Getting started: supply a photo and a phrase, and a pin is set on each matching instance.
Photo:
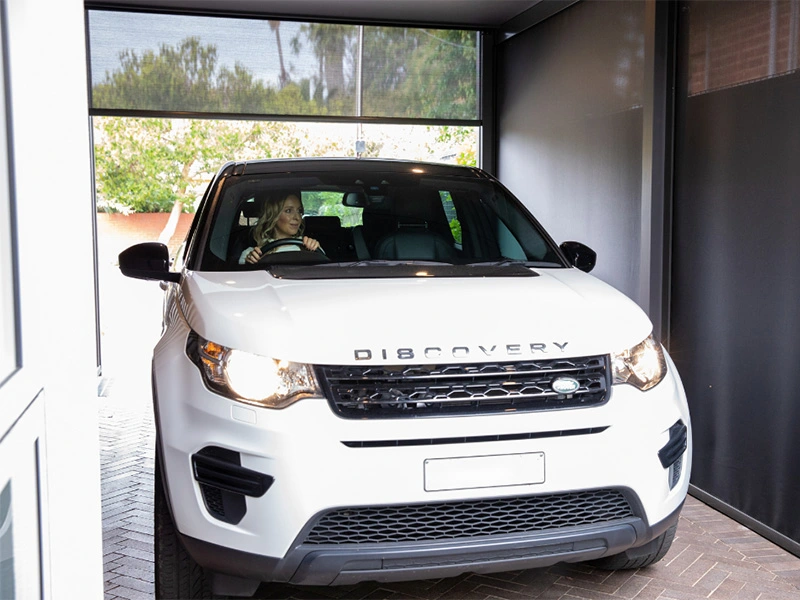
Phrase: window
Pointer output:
(329, 204)
(452, 216)
(201, 64)
(733, 43)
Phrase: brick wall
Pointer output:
(731, 43)
(115, 232)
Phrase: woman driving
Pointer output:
(282, 219)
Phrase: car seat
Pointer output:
(420, 230)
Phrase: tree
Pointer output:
(406, 72)
(164, 165)
(283, 77)
(186, 78)
(442, 76)
(420, 73)
(334, 47)
(464, 140)
(182, 76)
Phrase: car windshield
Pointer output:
(373, 222)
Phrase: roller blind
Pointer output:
(200, 64)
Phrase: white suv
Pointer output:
(439, 389)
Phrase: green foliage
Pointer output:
(334, 47)
(455, 229)
(329, 204)
(406, 72)
(464, 138)
(186, 79)
(420, 73)
(147, 165)
(131, 169)
(452, 215)
(154, 164)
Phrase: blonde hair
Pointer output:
(265, 226)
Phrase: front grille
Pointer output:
(466, 519)
(386, 392)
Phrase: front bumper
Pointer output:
(305, 565)
(302, 448)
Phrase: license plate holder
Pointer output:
(475, 472)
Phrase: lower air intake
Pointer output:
(454, 520)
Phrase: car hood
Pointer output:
(562, 312)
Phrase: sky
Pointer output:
(250, 42)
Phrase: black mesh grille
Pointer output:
(213, 500)
(426, 390)
(452, 520)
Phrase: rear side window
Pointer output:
(330, 204)
(452, 215)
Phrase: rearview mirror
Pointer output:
(355, 199)
(149, 260)
(579, 255)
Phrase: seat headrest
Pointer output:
(413, 244)
(326, 224)
(421, 206)
(253, 208)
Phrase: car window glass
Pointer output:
(381, 216)
(329, 204)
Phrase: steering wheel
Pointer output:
(286, 242)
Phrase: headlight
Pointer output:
(251, 378)
(643, 366)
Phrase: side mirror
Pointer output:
(579, 255)
(149, 260)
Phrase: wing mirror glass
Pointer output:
(149, 260)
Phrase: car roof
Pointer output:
(369, 165)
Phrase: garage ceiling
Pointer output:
(482, 14)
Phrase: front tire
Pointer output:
(636, 558)
(178, 576)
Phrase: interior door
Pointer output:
(21, 552)
(22, 472)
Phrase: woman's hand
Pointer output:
(310, 243)
(254, 255)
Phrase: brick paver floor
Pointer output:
(711, 557)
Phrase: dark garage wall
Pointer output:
(570, 130)
(736, 260)
(736, 294)
(570, 145)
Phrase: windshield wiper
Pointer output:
(505, 262)
(380, 262)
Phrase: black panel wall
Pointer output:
(736, 294)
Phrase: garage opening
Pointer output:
(175, 96)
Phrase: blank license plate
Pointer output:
(483, 471)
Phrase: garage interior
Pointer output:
(665, 135)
